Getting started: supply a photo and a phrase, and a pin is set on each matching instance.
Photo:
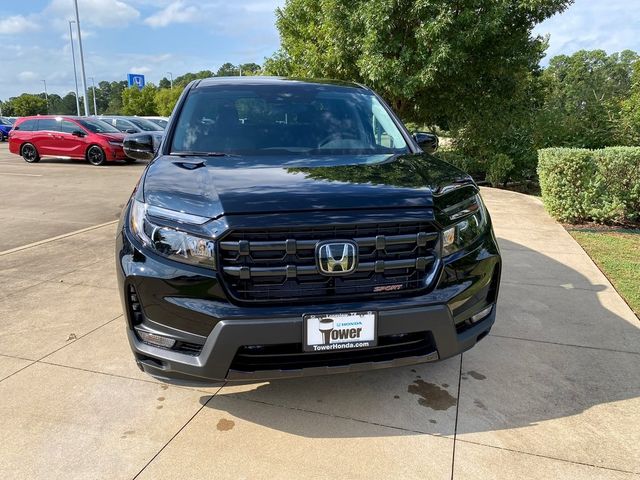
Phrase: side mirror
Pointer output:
(428, 142)
(78, 133)
(141, 146)
(130, 130)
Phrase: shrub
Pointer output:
(499, 169)
(463, 162)
(581, 185)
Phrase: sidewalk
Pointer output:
(552, 392)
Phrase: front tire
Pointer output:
(29, 153)
(2, 137)
(96, 155)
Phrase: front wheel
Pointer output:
(2, 136)
(29, 153)
(96, 155)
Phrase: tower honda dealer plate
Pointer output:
(339, 331)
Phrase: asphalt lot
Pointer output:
(55, 196)
(552, 392)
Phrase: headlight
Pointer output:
(114, 143)
(466, 231)
(169, 241)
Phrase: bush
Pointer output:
(499, 169)
(581, 185)
(463, 162)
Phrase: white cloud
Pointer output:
(26, 76)
(14, 24)
(140, 70)
(264, 6)
(611, 26)
(97, 13)
(176, 12)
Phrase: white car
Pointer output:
(162, 121)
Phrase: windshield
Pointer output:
(4, 121)
(144, 124)
(97, 126)
(285, 119)
(159, 121)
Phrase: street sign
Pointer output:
(135, 80)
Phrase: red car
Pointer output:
(78, 138)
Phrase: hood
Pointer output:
(117, 137)
(213, 186)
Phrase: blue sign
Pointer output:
(135, 80)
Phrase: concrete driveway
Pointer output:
(552, 392)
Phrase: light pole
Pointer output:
(46, 95)
(84, 76)
(75, 73)
(95, 108)
(171, 79)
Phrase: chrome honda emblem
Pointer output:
(337, 258)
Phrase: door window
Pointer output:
(68, 127)
(28, 126)
(48, 124)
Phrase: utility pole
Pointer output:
(171, 79)
(95, 108)
(84, 76)
(75, 73)
(46, 95)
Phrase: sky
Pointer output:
(153, 37)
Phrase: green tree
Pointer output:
(630, 114)
(183, 80)
(68, 104)
(112, 97)
(139, 101)
(278, 64)
(227, 70)
(249, 69)
(165, 100)
(584, 97)
(55, 102)
(29, 104)
(7, 108)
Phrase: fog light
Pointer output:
(481, 314)
(156, 340)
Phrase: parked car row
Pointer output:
(133, 124)
(95, 139)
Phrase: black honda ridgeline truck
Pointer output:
(287, 228)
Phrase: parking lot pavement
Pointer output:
(55, 196)
(552, 392)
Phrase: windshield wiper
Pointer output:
(190, 153)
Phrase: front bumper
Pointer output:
(220, 348)
(179, 302)
(116, 153)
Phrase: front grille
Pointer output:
(279, 265)
(291, 357)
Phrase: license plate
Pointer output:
(339, 331)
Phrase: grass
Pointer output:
(617, 254)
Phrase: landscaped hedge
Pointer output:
(580, 185)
